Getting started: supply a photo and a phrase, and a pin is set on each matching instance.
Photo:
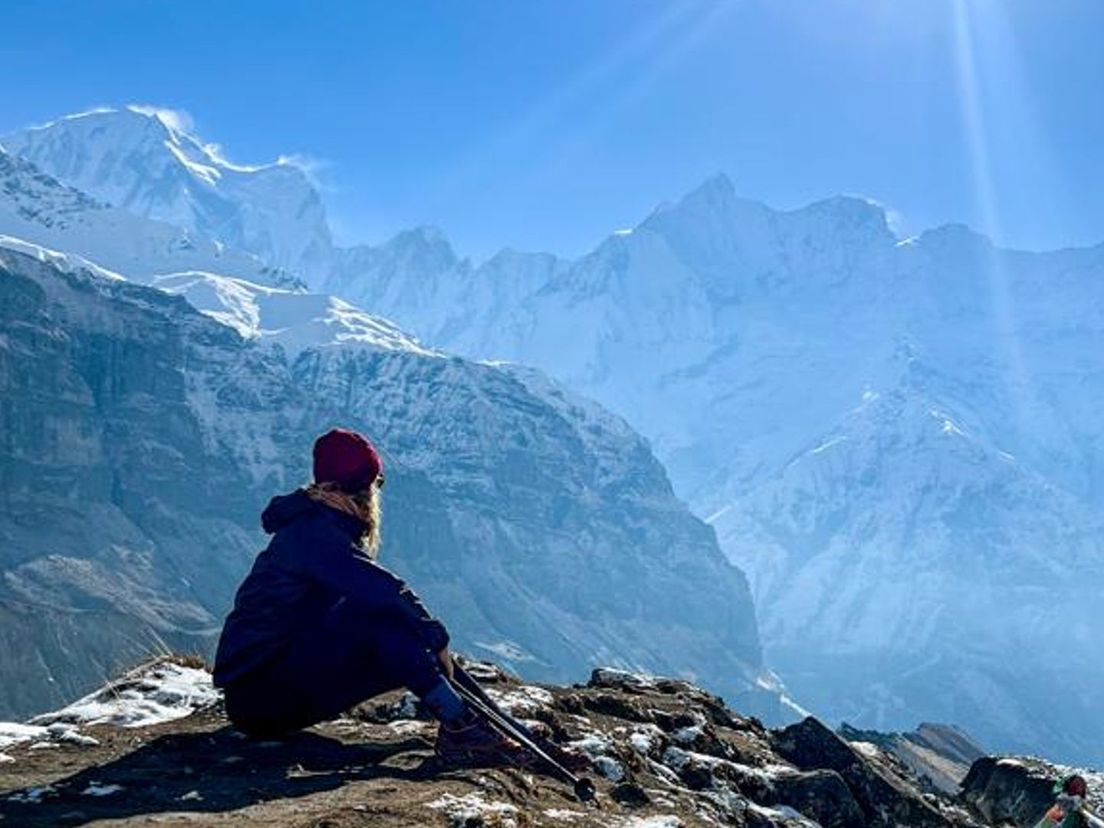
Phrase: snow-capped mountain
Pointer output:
(142, 437)
(39, 209)
(900, 561)
(417, 273)
(738, 338)
(142, 160)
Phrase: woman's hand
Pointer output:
(444, 658)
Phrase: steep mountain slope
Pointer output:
(142, 160)
(39, 209)
(141, 438)
(899, 562)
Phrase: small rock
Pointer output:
(630, 794)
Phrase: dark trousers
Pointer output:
(347, 656)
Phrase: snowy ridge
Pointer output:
(143, 160)
(65, 262)
(41, 210)
(292, 319)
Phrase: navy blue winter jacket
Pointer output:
(311, 563)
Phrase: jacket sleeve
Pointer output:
(342, 567)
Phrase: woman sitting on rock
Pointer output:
(318, 626)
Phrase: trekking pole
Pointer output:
(471, 685)
(507, 726)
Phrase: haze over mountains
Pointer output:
(899, 440)
(141, 437)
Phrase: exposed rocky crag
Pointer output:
(938, 756)
(140, 438)
(1017, 790)
(664, 754)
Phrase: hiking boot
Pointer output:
(475, 743)
(572, 759)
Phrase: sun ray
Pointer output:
(972, 105)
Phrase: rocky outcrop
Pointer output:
(664, 754)
(1017, 790)
(939, 756)
(884, 799)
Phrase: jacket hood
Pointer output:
(285, 509)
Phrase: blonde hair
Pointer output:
(370, 510)
(364, 505)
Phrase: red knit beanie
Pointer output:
(346, 458)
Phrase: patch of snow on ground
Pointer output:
(506, 650)
(66, 732)
(610, 768)
(526, 699)
(660, 821)
(149, 695)
(12, 733)
(96, 789)
(32, 795)
(593, 745)
(561, 814)
(643, 738)
(868, 749)
(688, 735)
(610, 675)
(783, 812)
(468, 808)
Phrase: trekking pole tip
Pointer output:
(585, 790)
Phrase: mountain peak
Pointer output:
(956, 235)
(147, 160)
(847, 213)
(717, 186)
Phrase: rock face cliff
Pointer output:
(664, 754)
(140, 439)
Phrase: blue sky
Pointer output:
(545, 125)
